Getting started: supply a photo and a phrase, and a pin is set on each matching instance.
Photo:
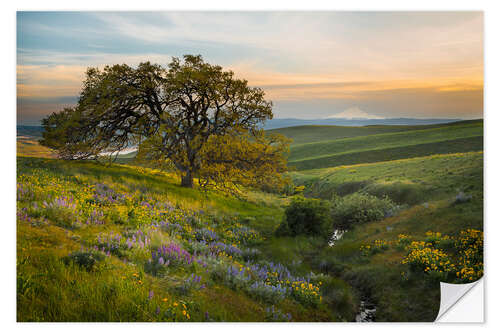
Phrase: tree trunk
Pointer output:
(187, 180)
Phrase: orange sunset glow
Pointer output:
(311, 65)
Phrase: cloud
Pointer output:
(65, 78)
(48, 58)
(37, 81)
(388, 63)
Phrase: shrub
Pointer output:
(435, 238)
(424, 257)
(171, 254)
(306, 216)
(377, 246)
(62, 211)
(206, 235)
(403, 241)
(306, 293)
(87, 260)
(347, 188)
(217, 268)
(399, 192)
(429, 256)
(236, 277)
(267, 293)
(470, 263)
(359, 208)
(244, 235)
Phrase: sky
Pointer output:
(310, 64)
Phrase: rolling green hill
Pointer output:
(316, 133)
(406, 181)
(396, 142)
(89, 239)
(76, 219)
(428, 191)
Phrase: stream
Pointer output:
(337, 234)
(367, 310)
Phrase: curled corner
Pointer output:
(452, 294)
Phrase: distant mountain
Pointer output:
(354, 113)
(290, 122)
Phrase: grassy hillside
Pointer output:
(29, 146)
(435, 176)
(371, 257)
(317, 133)
(407, 181)
(97, 232)
(459, 137)
(471, 144)
(122, 243)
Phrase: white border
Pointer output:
(492, 165)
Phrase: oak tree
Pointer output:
(191, 115)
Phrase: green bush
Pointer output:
(359, 208)
(306, 217)
(399, 192)
(87, 260)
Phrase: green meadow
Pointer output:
(99, 242)
(317, 133)
(426, 172)
(383, 146)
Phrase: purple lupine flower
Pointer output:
(151, 294)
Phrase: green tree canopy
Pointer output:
(192, 115)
